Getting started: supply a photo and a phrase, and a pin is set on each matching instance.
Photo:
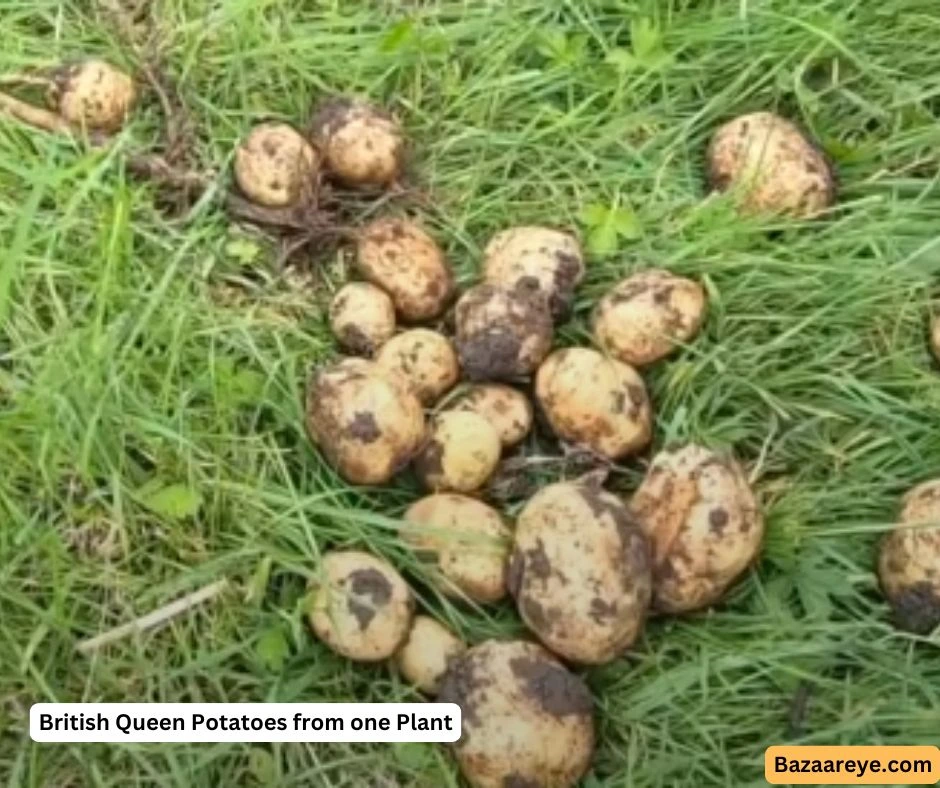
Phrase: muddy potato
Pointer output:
(580, 571)
(368, 423)
(771, 167)
(425, 358)
(504, 407)
(502, 334)
(549, 259)
(362, 318)
(595, 402)
(93, 94)
(362, 143)
(275, 166)
(462, 452)
(642, 318)
(909, 561)
(428, 650)
(527, 720)
(700, 514)
(468, 540)
(406, 262)
(360, 606)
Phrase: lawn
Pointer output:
(151, 363)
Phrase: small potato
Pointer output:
(360, 606)
(94, 95)
(909, 561)
(406, 262)
(580, 572)
(770, 166)
(462, 453)
(935, 337)
(428, 650)
(367, 422)
(594, 401)
(275, 166)
(704, 523)
(549, 259)
(362, 318)
(504, 407)
(641, 319)
(502, 334)
(527, 720)
(469, 540)
(425, 358)
(363, 144)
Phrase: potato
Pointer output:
(406, 262)
(706, 528)
(580, 571)
(935, 337)
(426, 654)
(360, 606)
(362, 318)
(527, 720)
(909, 561)
(275, 166)
(93, 95)
(425, 358)
(595, 402)
(504, 407)
(363, 144)
(367, 422)
(461, 454)
(469, 541)
(770, 166)
(502, 334)
(642, 318)
(549, 259)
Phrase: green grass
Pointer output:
(123, 374)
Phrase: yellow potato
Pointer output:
(362, 318)
(461, 454)
(275, 166)
(428, 650)
(425, 358)
(93, 95)
(504, 407)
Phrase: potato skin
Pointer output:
(93, 94)
(367, 422)
(704, 523)
(426, 653)
(549, 258)
(360, 606)
(469, 540)
(641, 318)
(461, 454)
(581, 572)
(506, 408)
(527, 720)
(595, 401)
(363, 144)
(502, 334)
(909, 561)
(362, 318)
(425, 358)
(401, 258)
(776, 167)
(275, 166)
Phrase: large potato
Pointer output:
(580, 571)
(504, 407)
(502, 334)
(425, 358)
(549, 259)
(93, 95)
(368, 423)
(527, 720)
(362, 318)
(428, 650)
(698, 510)
(595, 402)
(275, 166)
(406, 262)
(909, 561)
(360, 606)
(642, 318)
(469, 541)
(770, 166)
(461, 454)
